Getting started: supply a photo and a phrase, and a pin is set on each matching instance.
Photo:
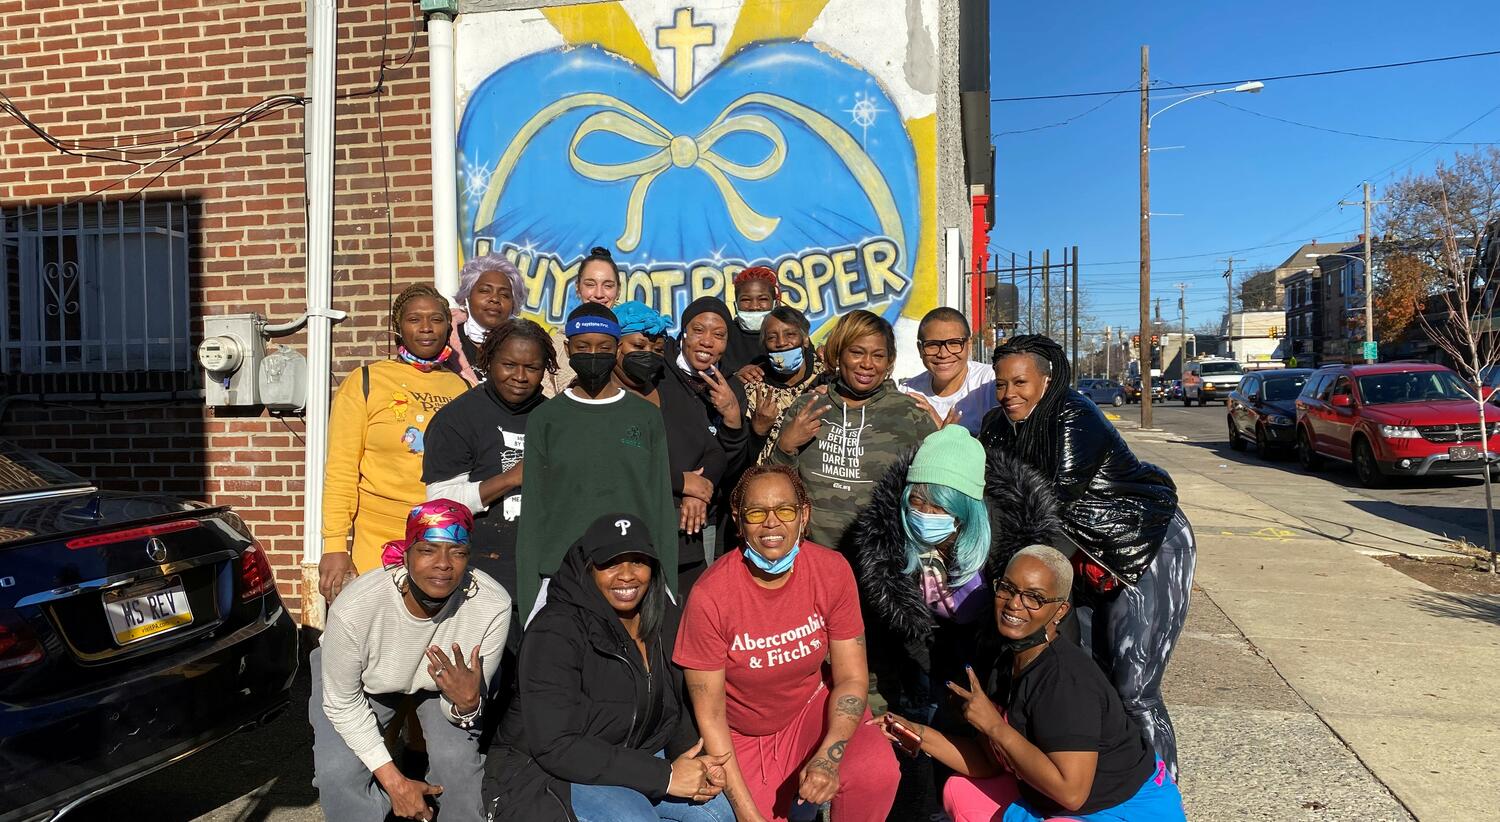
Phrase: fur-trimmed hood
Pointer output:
(1023, 511)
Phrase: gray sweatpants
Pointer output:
(348, 791)
(1131, 635)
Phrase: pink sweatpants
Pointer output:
(982, 800)
(868, 776)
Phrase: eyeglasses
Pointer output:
(755, 516)
(953, 346)
(1031, 600)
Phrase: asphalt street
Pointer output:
(1457, 503)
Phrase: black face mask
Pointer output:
(1016, 646)
(431, 604)
(593, 370)
(643, 367)
(848, 392)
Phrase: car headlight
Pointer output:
(1208, 386)
(1400, 432)
(1277, 420)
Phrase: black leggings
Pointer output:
(1131, 634)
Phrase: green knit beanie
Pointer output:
(950, 456)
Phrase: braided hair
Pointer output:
(1036, 441)
(412, 292)
(520, 329)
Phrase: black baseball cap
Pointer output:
(614, 534)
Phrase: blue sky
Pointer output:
(1241, 182)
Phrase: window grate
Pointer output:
(97, 288)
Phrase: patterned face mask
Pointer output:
(420, 364)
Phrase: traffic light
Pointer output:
(1274, 332)
(1155, 340)
(1135, 340)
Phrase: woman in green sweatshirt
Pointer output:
(841, 440)
(593, 449)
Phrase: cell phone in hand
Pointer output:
(910, 742)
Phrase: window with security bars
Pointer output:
(94, 288)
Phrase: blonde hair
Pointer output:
(852, 326)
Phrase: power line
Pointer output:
(1254, 113)
(1297, 76)
(1078, 116)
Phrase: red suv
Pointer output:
(1392, 419)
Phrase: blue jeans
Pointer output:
(612, 803)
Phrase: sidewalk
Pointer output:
(1387, 677)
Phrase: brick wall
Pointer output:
(100, 68)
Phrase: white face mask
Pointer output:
(751, 320)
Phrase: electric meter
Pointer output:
(220, 355)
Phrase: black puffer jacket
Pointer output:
(586, 710)
(1022, 512)
(1114, 505)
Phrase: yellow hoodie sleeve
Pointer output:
(346, 447)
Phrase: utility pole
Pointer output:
(1075, 316)
(1030, 296)
(1047, 291)
(1063, 339)
(1229, 309)
(1182, 352)
(1369, 274)
(1145, 298)
(1109, 341)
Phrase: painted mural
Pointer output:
(696, 141)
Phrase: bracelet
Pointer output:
(465, 721)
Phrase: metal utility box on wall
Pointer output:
(230, 356)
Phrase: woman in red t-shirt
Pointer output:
(774, 653)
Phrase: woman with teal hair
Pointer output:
(938, 529)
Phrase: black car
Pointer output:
(134, 631)
(1263, 410)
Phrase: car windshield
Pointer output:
(1411, 386)
(1285, 388)
(23, 472)
(1219, 369)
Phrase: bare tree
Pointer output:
(1463, 324)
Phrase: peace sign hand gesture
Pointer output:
(979, 711)
(723, 398)
(804, 427)
(461, 683)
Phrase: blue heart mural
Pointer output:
(784, 155)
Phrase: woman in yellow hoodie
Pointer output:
(375, 438)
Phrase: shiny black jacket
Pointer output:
(1114, 505)
(586, 709)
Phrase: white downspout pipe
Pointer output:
(318, 132)
(444, 161)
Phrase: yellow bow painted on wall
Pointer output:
(679, 151)
(674, 151)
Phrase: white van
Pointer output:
(1211, 378)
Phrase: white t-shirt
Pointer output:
(973, 399)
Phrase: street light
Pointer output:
(1369, 297)
(1251, 87)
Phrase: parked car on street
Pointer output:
(135, 630)
(1392, 419)
(1103, 392)
(1263, 410)
(1174, 391)
(1210, 378)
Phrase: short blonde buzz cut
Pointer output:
(1062, 570)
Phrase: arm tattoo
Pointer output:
(861, 640)
(850, 706)
(836, 750)
(825, 766)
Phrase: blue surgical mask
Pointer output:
(787, 362)
(931, 529)
(778, 567)
(751, 320)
